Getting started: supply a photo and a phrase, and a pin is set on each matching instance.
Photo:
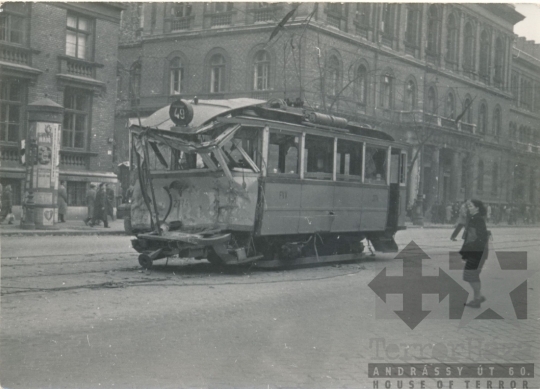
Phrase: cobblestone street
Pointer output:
(98, 320)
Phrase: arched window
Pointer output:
(135, 83)
(387, 91)
(467, 104)
(499, 62)
(495, 179)
(484, 56)
(333, 75)
(217, 73)
(410, 96)
(451, 39)
(450, 106)
(468, 47)
(432, 101)
(480, 185)
(497, 121)
(360, 84)
(433, 30)
(482, 118)
(261, 71)
(176, 76)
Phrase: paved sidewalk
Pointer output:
(489, 225)
(70, 227)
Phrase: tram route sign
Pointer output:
(181, 112)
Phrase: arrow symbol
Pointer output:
(412, 285)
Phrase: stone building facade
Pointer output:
(66, 52)
(438, 76)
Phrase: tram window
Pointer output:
(376, 162)
(319, 157)
(188, 161)
(245, 139)
(394, 166)
(283, 153)
(349, 160)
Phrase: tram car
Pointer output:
(247, 181)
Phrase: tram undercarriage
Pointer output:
(226, 248)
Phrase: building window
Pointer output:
(480, 186)
(433, 30)
(387, 23)
(484, 56)
(410, 96)
(468, 48)
(135, 83)
(525, 100)
(76, 193)
(495, 179)
(217, 73)
(537, 97)
(261, 71)
(467, 117)
(450, 106)
(78, 36)
(363, 11)
(411, 31)
(12, 23)
(76, 117)
(334, 14)
(11, 97)
(532, 188)
(432, 106)
(499, 62)
(452, 39)
(497, 121)
(181, 10)
(482, 118)
(387, 91)
(176, 76)
(333, 76)
(360, 85)
(464, 172)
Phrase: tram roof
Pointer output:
(203, 111)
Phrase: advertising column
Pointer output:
(41, 186)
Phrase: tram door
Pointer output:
(394, 198)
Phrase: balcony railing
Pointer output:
(15, 54)
(221, 18)
(179, 24)
(467, 127)
(9, 153)
(69, 159)
(266, 14)
(526, 147)
(78, 67)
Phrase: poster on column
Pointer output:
(47, 155)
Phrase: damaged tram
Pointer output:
(246, 181)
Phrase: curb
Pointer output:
(32, 233)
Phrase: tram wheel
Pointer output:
(214, 259)
(145, 261)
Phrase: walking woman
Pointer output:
(475, 250)
(100, 206)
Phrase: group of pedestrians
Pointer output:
(472, 216)
(511, 214)
(99, 204)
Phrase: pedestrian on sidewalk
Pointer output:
(448, 213)
(475, 250)
(110, 200)
(488, 213)
(100, 206)
(90, 202)
(461, 221)
(7, 202)
(62, 203)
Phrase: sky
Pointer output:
(529, 27)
